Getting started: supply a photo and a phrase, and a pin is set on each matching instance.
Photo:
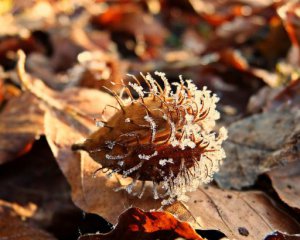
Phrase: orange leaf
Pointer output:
(139, 225)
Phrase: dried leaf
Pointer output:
(286, 182)
(136, 224)
(236, 214)
(282, 236)
(21, 122)
(256, 144)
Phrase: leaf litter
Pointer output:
(221, 52)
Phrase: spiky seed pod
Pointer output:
(162, 136)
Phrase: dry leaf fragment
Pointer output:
(286, 182)
(21, 122)
(257, 143)
(234, 213)
(137, 224)
(282, 236)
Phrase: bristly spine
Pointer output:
(161, 136)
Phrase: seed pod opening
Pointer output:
(162, 136)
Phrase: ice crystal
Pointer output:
(100, 124)
(164, 162)
(147, 157)
(137, 88)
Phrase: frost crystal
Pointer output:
(152, 126)
(116, 157)
(164, 162)
(100, 124)
(133, 169)
(167, 86)
(152, 82)
(137, 88)
(110, 144)
(147, 157)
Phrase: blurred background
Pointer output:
(234, 47)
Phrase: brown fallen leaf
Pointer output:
(21, 122)
(92, 191)
(22, 119)
(257, 143)
(12, 227)
(137, 224)
(236, 214)
(282, 236)
(286, 182)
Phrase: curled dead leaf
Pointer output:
(137, 224)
